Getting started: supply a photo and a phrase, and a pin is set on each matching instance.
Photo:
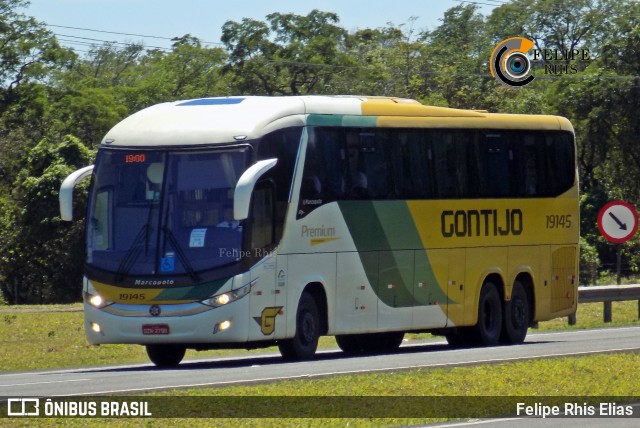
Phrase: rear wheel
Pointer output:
(517, 314)
(489, 326)
(372, 343)
(305, 342)
(460, 337)
(166, 355)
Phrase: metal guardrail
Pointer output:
(607, 294)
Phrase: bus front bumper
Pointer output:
(190, 323)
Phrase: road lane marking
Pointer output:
(353, 372)
(47, 382)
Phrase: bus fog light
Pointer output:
(222, 326)
(95, 327)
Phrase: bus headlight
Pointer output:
(225, 298)
(96, 300)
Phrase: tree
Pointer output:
(87, 113)
(459, 50)
(28, 55)
(28, 51)
(287, 55)
(41, 258)
(190, 70)
(105, 66)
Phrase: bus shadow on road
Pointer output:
(242, 361)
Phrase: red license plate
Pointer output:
(151, 329)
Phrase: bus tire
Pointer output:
(350, 344)
(385, 342)
(460, 337)
(372, 343)
(489, 326)
(305, 342)
(516, 316)
(164, 356)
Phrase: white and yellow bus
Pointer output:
(252, 221)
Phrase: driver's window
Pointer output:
(101, 221)
(262, 214)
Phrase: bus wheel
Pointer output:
(516, 316)
(166, 355)
(383, 342)
(460, 337)
(305, 342)
(350, 343)
(373, 343)
(489, 326)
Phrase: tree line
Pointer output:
(55, 105)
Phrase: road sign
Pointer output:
(618, 221)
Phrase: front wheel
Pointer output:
(305, 342)
(164, 356)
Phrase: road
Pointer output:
(132, 379)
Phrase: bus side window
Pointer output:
(419, 160)
(263, 217)
(530, 166)
(100, 224)
(283, 145)
(497, 156)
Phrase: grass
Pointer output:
(478, 390)
(53, 337)
(40, 338)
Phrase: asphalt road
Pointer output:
(132, 379)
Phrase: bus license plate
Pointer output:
(153, 329)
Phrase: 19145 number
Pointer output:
(559, 221)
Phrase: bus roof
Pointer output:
(228, 119)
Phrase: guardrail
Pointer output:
(607, 294)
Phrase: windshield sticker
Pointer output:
(168, 263)
(197, 238)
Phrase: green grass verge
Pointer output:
(597, 375)
(41, 338)
(53, 337)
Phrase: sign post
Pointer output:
(617, 222)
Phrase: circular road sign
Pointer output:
(618, 221)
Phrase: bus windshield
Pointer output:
(164, 212)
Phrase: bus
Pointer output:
(249, 221)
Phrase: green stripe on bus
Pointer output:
(193, 293)
(341, 120)
(391, 253)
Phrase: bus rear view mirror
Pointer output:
(66, 191)
(244, 188)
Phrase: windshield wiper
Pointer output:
(180, 253)
(136, 247)
(132, 253)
